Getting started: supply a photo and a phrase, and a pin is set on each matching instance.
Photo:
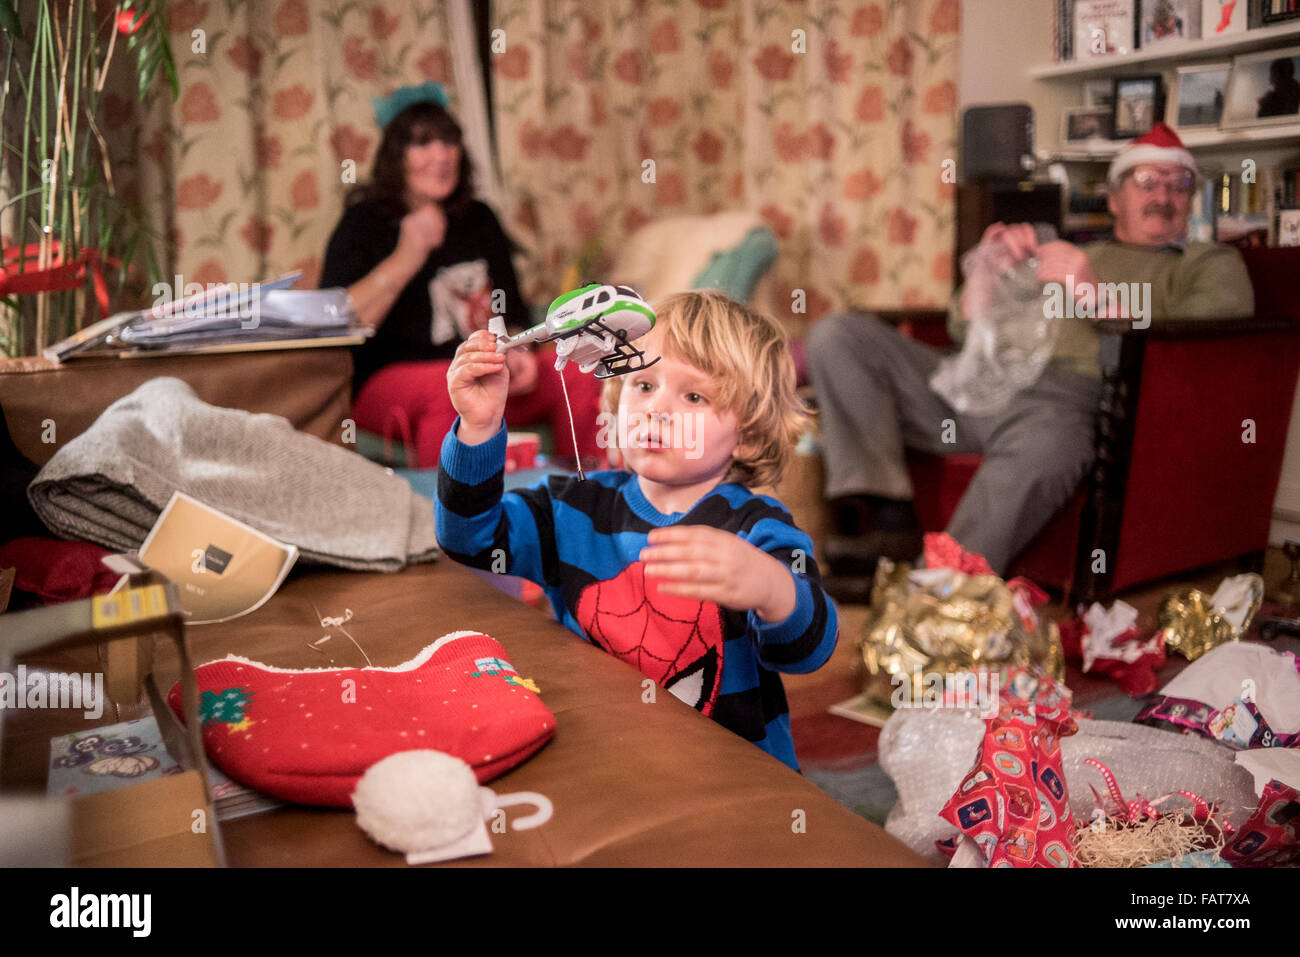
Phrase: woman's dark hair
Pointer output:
(416, 125)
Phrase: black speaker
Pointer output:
(997, 142)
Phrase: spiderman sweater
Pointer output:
(581, 540)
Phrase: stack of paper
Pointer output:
(225, 314)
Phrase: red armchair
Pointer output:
(1178, 482)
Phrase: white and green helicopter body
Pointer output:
(593, 326)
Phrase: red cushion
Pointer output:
(55, 571)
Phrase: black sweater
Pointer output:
(476, 251)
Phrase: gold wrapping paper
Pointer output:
(1192, 624)
(952, 623)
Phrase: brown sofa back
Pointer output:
(47, 404)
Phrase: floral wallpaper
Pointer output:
(833, 120)
(274, 124)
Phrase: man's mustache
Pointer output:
(1159, 209)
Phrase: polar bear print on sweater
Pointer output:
(461, 300)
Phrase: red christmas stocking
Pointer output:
(1225, 16)
(308, 736)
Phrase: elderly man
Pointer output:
(873, 384)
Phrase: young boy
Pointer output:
(673, 565)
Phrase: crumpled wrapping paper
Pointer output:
(927, 753)
(1242, 694)
(1271, 837)
(1193, 622)
(1013, 803)
(940, 620)
(1107, 641)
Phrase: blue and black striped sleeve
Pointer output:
(481, 525)
(805, 640)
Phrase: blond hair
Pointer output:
(747, 356)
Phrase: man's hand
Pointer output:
(697, 561)
(1059, 260)
(1019, 238)
(1007, 245)
(423, 231)
(477, 383)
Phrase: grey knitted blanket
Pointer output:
(110, 484)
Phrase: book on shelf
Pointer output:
(1291, 187)
(1160, 21)
(1063, 31)
(1288, 227)
(1252, 213)
(1276, 11)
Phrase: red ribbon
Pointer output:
(1140, 807)
(60, 276)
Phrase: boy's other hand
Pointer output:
(697, 561)
(477, 384)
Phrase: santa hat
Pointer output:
(1160, 145)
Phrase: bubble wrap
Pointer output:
(927, 752)
(1011, 335)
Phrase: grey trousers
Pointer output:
(873, 389)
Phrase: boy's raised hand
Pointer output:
(477, 383)
(697, 561)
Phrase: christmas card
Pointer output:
(1103, 28)
(222, 567)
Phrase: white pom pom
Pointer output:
(417, 800)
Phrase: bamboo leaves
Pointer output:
(151, 47)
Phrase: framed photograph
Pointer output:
(1079, 124)
(1197, 99)
(1263, 89)
(1137, 106)
(1098, 93)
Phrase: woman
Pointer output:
(426, 264)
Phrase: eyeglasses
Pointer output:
(1148, 181)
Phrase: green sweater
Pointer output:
(1204, 281)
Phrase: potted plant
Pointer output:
(71, 241)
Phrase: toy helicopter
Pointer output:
(593, 326)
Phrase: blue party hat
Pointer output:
(389, 106)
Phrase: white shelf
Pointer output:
(1171, 53)
(1192, 139)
